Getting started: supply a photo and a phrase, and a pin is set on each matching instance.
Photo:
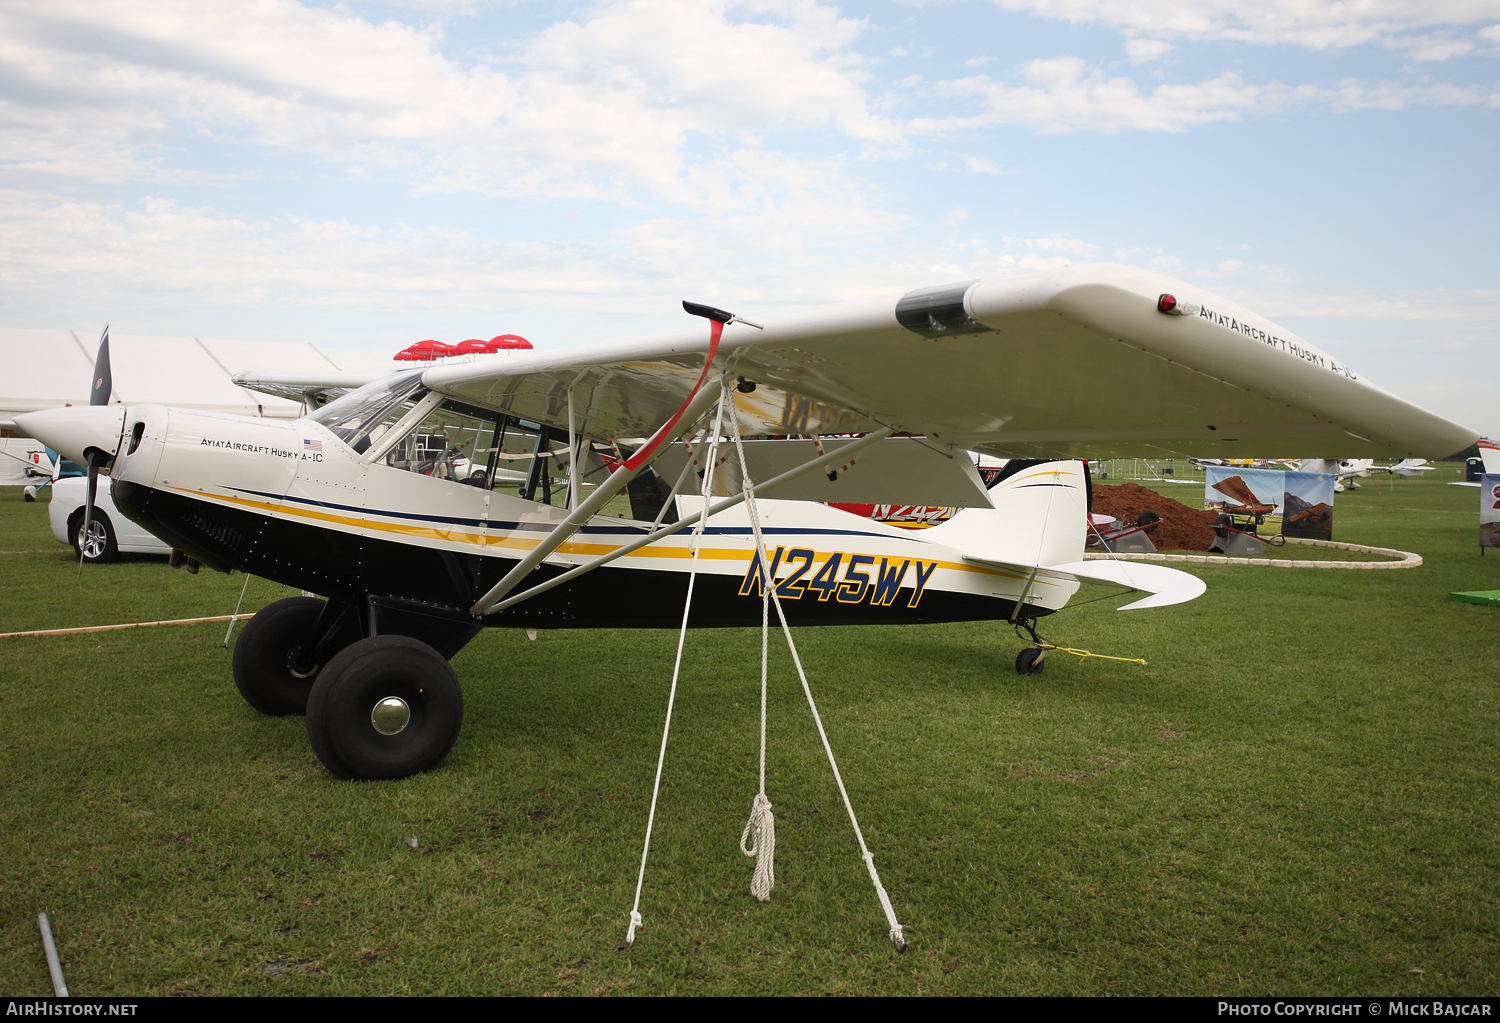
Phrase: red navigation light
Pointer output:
(1166, 304)
(508, 342)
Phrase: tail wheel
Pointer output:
(98, 545)
(266, 656)
(1029, 662)
(385, 707)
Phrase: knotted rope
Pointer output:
(768, 595)
(760, 833)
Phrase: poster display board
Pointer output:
(1489, 510)
(1302, 501)
(1307, 510)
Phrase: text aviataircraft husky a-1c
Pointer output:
(414, 504)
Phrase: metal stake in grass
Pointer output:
(54, 966)
(236, 616)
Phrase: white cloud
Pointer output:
(980, 165)
(1062, 243)
(1143, 51)
(1434, 46)
(1066, 94)
(1316, 24)
(599, 107)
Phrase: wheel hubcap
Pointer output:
(390, 715)
(93, 540)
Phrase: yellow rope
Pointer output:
(1084, 655)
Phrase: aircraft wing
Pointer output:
(1068, 363)
(319, 387)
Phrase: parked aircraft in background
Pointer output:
(1489, 463)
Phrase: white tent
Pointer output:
(52, 368)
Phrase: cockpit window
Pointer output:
(355, 417)
(453, 442)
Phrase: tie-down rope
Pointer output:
(769, 594)
(759, 838)
(635, 910)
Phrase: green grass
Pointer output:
(1296, 796)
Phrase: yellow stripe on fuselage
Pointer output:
(526, 544)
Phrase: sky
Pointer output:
(365, 175)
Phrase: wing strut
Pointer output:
(693, 406)
(691, 409)
(680, 524)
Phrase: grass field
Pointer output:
(1297, 796)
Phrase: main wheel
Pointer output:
(99, 545)
(1028, 662)
(267, 651)
(384, 707)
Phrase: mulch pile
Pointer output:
(1182, 528)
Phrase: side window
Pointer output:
(453, 442)
(477, 447)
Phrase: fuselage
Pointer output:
(291, 502)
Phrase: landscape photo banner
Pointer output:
(1489, 510)
(1307, 509)
(1303, 501)
(1228, 488)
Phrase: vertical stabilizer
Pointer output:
(1489, 451)
(1039, 518)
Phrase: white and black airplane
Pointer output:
(394, 502)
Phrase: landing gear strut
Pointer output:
(281, 651)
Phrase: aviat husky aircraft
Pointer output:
(390, 502)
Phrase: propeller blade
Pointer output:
(96, 458)
(103, 381)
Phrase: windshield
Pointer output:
(352, 417)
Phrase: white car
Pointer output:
(110, 533)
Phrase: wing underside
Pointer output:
(1069, 363)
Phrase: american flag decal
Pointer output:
(311, 445)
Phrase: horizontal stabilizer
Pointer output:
(1166, 585)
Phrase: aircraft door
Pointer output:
(428, 503)
(325, 524)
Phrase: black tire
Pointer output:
(102, 546)
(1148, 520)
(1027, 662)
(263, 655)
(341, 710)
(1222, 525)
